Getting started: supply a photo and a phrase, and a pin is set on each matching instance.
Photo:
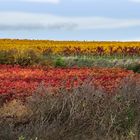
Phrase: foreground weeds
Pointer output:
(78, 113)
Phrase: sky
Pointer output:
(96, 20)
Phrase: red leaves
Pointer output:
(24, 81)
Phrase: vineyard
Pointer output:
(64, 83)
(17, 81)
(25, 64)
(69, 48)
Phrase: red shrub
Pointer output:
(23, 81)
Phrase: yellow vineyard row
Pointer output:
(71, 47)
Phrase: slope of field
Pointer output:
(52, 90)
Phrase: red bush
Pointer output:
(22, 82)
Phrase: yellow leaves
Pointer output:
(71, 47)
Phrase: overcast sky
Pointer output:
(70, 19)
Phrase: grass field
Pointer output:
(58, 90)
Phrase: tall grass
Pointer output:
(82, 113)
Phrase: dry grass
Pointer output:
(14, 108)
(82, 113)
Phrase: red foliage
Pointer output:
(22, 82)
